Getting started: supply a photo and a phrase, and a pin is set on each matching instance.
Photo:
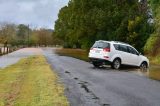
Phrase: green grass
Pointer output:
(148, 48)
(31, 82)
(154, 72)
(154, 60)
(76, 53)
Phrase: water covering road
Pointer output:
(87, 86)
(14, 57)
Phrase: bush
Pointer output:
(148, 49)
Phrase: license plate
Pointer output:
(97, 51)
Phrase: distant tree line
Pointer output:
(22, 35)
(83, 22)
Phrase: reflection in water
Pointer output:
(153, 72)
(141, 72)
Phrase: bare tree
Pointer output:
(7, 34)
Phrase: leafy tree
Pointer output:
(7, 34)
(41, 37)
(23, 33)
(153, 43)
(83, 21)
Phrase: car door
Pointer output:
(134, 56)
(124, 54)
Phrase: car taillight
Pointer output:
(106, 50)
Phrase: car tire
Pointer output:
(116, 64)
(144, 66)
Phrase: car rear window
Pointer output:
(101, 45)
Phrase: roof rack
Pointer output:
(113, 41)
(120, 42)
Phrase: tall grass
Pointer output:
(76, 53)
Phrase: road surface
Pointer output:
(87, 86)
(14, 57)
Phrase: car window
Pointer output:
(95, 45)
(116, 46)
(101, 45)
(132, 51)
(123, 48)
(106, 45)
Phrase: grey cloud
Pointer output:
(40, 13)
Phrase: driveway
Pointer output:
(87, 86)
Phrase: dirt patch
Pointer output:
(15, 90)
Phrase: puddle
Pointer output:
(95, 97)
(67, 72)
(76, 78)
(140, 72)
(106, 105)
(153, 72)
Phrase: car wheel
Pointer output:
(144, 66)
(97, 65)
(116, 64)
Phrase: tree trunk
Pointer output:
(0, 51)
(4, 49)
(7, 49)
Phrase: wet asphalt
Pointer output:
(88, 86)
(14, 57)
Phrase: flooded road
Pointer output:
(14, 57)
(88, 86)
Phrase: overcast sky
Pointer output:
(37, 13)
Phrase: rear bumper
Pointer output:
(102, 61)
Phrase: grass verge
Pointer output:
(154, 72)
(76, 53)
(154, 60)
(31, 82)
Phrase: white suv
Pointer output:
(116, 54)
